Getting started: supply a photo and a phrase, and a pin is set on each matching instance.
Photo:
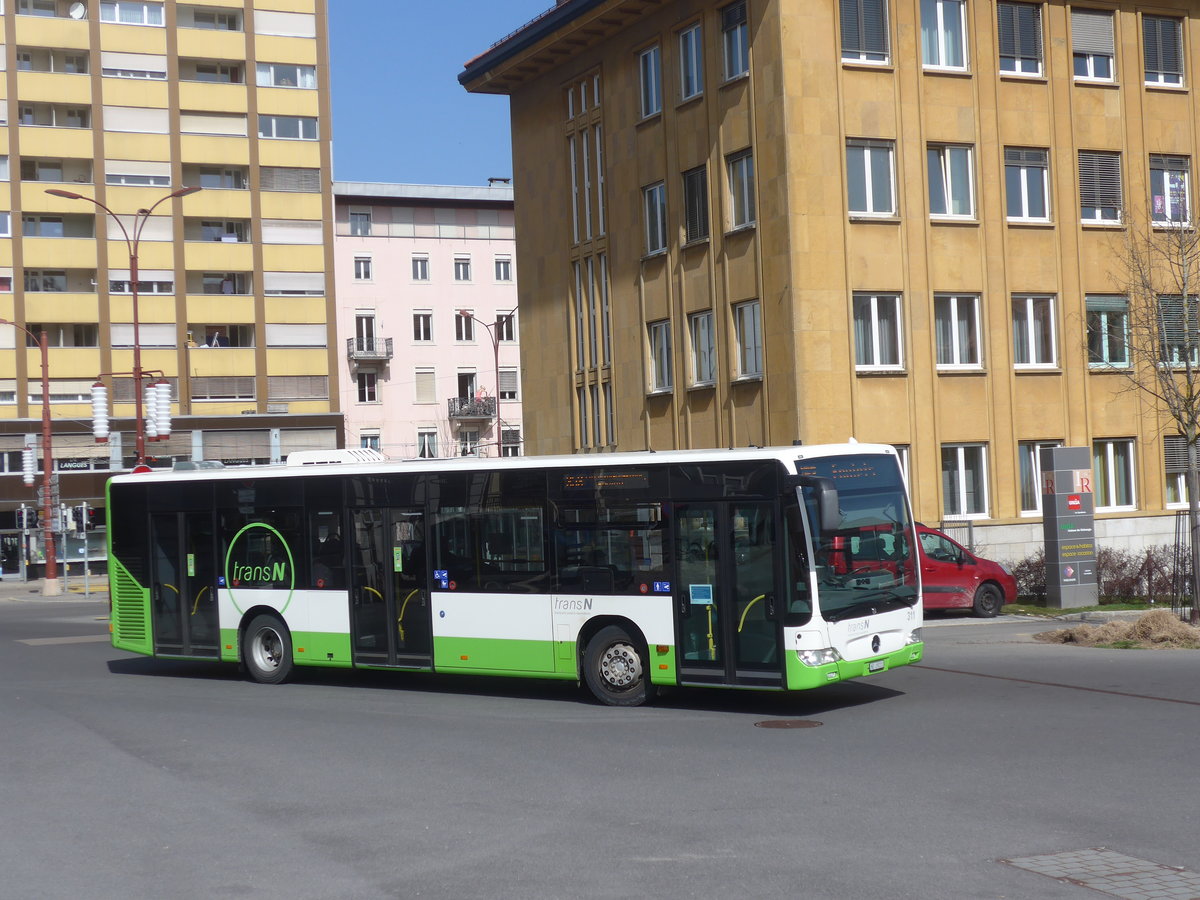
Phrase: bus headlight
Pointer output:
(822, 657)
(914, 637)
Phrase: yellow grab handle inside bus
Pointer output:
(196, 602)
(403, 607)
(746, 611)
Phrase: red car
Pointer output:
(955, 578)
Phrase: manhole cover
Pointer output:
(788, 723)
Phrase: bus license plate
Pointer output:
(876, 666)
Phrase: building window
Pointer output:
(423, 326)
(468, 442)
(510, 442)
(1030, 461)
(1100, 198)
(1033, 332)
(420, 268)
(691, 63)
(425, 386)
(943, 34)
(660, 356)
(506, 327)
(869, 177)
(735, 40)
(605, 312)
(571, 162)
(367, 387)
(964, 481)
(1175, 457)
(292, 128)
(740, 167)
(747, 322)
(600, 218)
(654, 206)
(1020, 37)
(609, 415)
(286, 75)
(1170, 189)
(1092, 43)
(131, 12)
(951, 187)
(1107, 331)
(581, 404)
(462, 268)
(360, 222)
(650, 65)
(864, 30)
(1027, 184)
(956, 325)
(1178, 331)
(509, 384)
(464, 326)
(704, 362)
(362, 268)
(503, 268)
(369, 440)
(878, 332)
(1162, 42)
(427, 443)
(1112, 474)
(695, 204)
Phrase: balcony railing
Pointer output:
(472, 408)
(368, 349)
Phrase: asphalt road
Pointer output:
(130, 777)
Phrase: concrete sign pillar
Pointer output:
(1068, 527)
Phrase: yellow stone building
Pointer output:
(769, 221)
(124, 102)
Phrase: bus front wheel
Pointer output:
(615, 668)
(267, 650)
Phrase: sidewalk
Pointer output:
(11, 588)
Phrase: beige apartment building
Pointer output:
(770, 221)
(124, 102)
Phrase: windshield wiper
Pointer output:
(882, 601)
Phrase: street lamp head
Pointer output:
(183, 192)
(69, 195)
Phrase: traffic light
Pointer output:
(83, 517)
(27, 518)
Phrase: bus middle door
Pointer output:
(726, 628)
(390, 615)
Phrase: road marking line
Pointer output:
(78, 639)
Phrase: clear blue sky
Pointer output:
(399, 113)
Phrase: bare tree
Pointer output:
(1158, 267)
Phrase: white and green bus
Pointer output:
(765, 568)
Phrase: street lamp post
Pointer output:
(493, 333)
(131, 242)
(50, 586)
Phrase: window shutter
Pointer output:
(137, 167)
(695, 192)
(864, 26)
(425, 386)
(733, 15)
(220, 387)
(247, 444)
(292, 440)
(133, 62)
(133, 118)
(1092, 31)
(1099, 179)
(149, 335)
(1175, 453)
(1020, 30)
(292, 231)
(1106, 303)
(213, 123)
(1169, 163)
(282, 178)
(1161, 40)
(285, 23)
(1025, 156)
(297, 387)
(509, 380)
(308, 284)
(280, 335)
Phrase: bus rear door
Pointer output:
(183, 584)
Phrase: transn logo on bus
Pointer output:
(259, 558)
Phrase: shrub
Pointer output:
(1148, 574)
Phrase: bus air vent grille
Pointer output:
(128, 602)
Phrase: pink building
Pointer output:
(427, 297)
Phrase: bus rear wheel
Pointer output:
(615, 669)
(267, 650)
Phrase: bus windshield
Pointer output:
(868, 564)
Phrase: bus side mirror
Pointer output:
(825, 496)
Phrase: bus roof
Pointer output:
(784, 454)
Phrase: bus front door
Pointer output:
(389, 590)
(183, 584)
(727, 631)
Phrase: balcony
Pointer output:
(369, 349)
(462, 408)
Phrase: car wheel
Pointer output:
(987, 601)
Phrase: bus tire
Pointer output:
(267, 650)
(987, 601)
(615, 669)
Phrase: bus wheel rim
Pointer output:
(620, 666)
(268, 649)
